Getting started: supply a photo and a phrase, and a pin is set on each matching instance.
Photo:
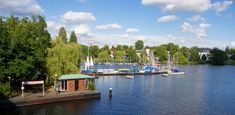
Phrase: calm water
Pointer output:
(203, 90)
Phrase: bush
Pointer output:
(4, 90)
(91, 86)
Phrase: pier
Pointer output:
(36, 99)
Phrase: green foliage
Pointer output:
(73, 37)
(63, 58)
(204, 57)
(219, 57)
(181, 58)
(119, 56)
(91, 86)
(232, 51)
(194, 56)
(139, 45)
(131, 55)
(4, 90)
(23, 42)
(227, 50)
(63, 34)
(161, 52)
(103, 56)
(233, 57)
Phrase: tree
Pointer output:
(194, 54)
(63, 34)
(219, 57)
(62, 58)
(160, 52)
(73, 37)
(118, 56)
(23, 42)
(233, 57)
(131, 54)
(227, 50)
(103, 56)
(204, 57)
(139, 45)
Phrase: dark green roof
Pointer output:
(74, 76)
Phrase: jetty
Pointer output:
(37, 98)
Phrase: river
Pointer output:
(203, 90)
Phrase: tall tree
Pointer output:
(219, 57)
(23, 42)
(62, 58)
(73, 37)
(139, 45)
(63, 34)
(227, 50)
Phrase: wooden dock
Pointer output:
(36, 99)
(128, 73)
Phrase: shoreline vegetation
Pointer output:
(28, 52)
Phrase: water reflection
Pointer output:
(203, 90)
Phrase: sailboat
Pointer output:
(89, 65)
(173, 70)
(171, 67)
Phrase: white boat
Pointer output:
(130, 76)
(171, 69)
(165, 75)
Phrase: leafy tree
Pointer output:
(62, 58)
(23, 43)
(139, 45)
(204, 57)
(73, 37)
(160, 52)
(180, 58)
(94, 50)
(233, 57)
(227, 50)
(131, 54)
(106, 47)
(232, 51)
(119, 56)
(103, 56)
(219, 57)
(185, 51)
(194, 54)
(63, 34)
(171, 47)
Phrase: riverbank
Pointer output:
(37, 98)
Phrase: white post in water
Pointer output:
(110, 92)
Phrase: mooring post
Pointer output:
(110, 92)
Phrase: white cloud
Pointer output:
(22, 7)
(150, 40)
(109, 26)
(180, 5)
(186, 27)
(167, 18)
(204, 25)
(53, 25)
(78, 17)
(220, 7)
(233, 43)
(82, 29)
(196, 18)
(132, 30)
(200, 31)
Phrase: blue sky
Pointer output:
(203, 23)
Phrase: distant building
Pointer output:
(74, 82)
(112, 51)
(206, 52)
